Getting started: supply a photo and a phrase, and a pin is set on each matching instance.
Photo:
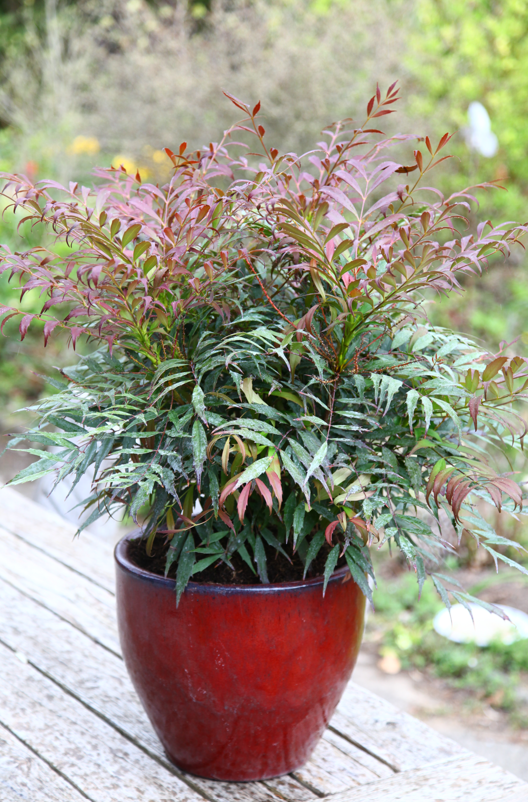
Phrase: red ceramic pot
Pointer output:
(239, 681)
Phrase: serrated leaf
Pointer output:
(298, 521)
(198, 402)
(317, 460)
(257, 468)
(428, 410)
(331, 562)
(357, 574)
(199, 447)
(185, 567)
(411, 401)
(260, 560)
(313, 550)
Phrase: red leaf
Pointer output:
(182, 148)
(370, 106)
(256, 109)
(493, 368)
(276, 484)
(474, 404)
(228, 489)
(261, 130)
(378, 93)
(445, 139)
(49, 325)
(329, 531)
(238, 103)
(242, 501)
(4, 321)
(226, 519)
(265, 493)
(24, 325)
(76, 332)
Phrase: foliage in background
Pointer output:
(400, 627)
(265, 353)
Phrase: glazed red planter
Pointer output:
(239, 681)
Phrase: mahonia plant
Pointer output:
(263, 376)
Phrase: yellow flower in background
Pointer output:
(88, 145)
(130, 166)
(123, 161)
(159, 156)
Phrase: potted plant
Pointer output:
(264, 395)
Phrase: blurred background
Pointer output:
(101, 82)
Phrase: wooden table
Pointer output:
(72, 728)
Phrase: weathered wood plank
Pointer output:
(392, 736)
(467, 778)
(24, 776)
(94, 678)
(366, 768)
(84, 749)
(84, 604)
(89, 555)
(329, 770)
(99, 680)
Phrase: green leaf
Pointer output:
(287, 513)
(420, 571)
(448, 409)
(412, 400)
(313, 550)
(185, 567)
(260, 559)
(140, 249)
(198, 399)
(292, 469)
(257, 468)
(441, 591)
(428, 409)
(199, 447)
(317, 460)
(331, 562)
(36, 470)
(130, 234)
(357, 574)
(415, 473)
(174, 549)
(201, 565)
(298, 521)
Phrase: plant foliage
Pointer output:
(265, 375)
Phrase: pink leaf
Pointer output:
(329, 531)
(265, 493)
(242, 501)
(474, 404)
(276, 484)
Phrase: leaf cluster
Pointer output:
(266, 375)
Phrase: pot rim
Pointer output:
(122, 559)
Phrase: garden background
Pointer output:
(101, 82)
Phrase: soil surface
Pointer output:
(279, 568)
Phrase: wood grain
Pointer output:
(25, 776)
(80, 745)
(466, 778)
(67, 695)
(394, 737)
(46, 531)
(99, 680)
(75, 598)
